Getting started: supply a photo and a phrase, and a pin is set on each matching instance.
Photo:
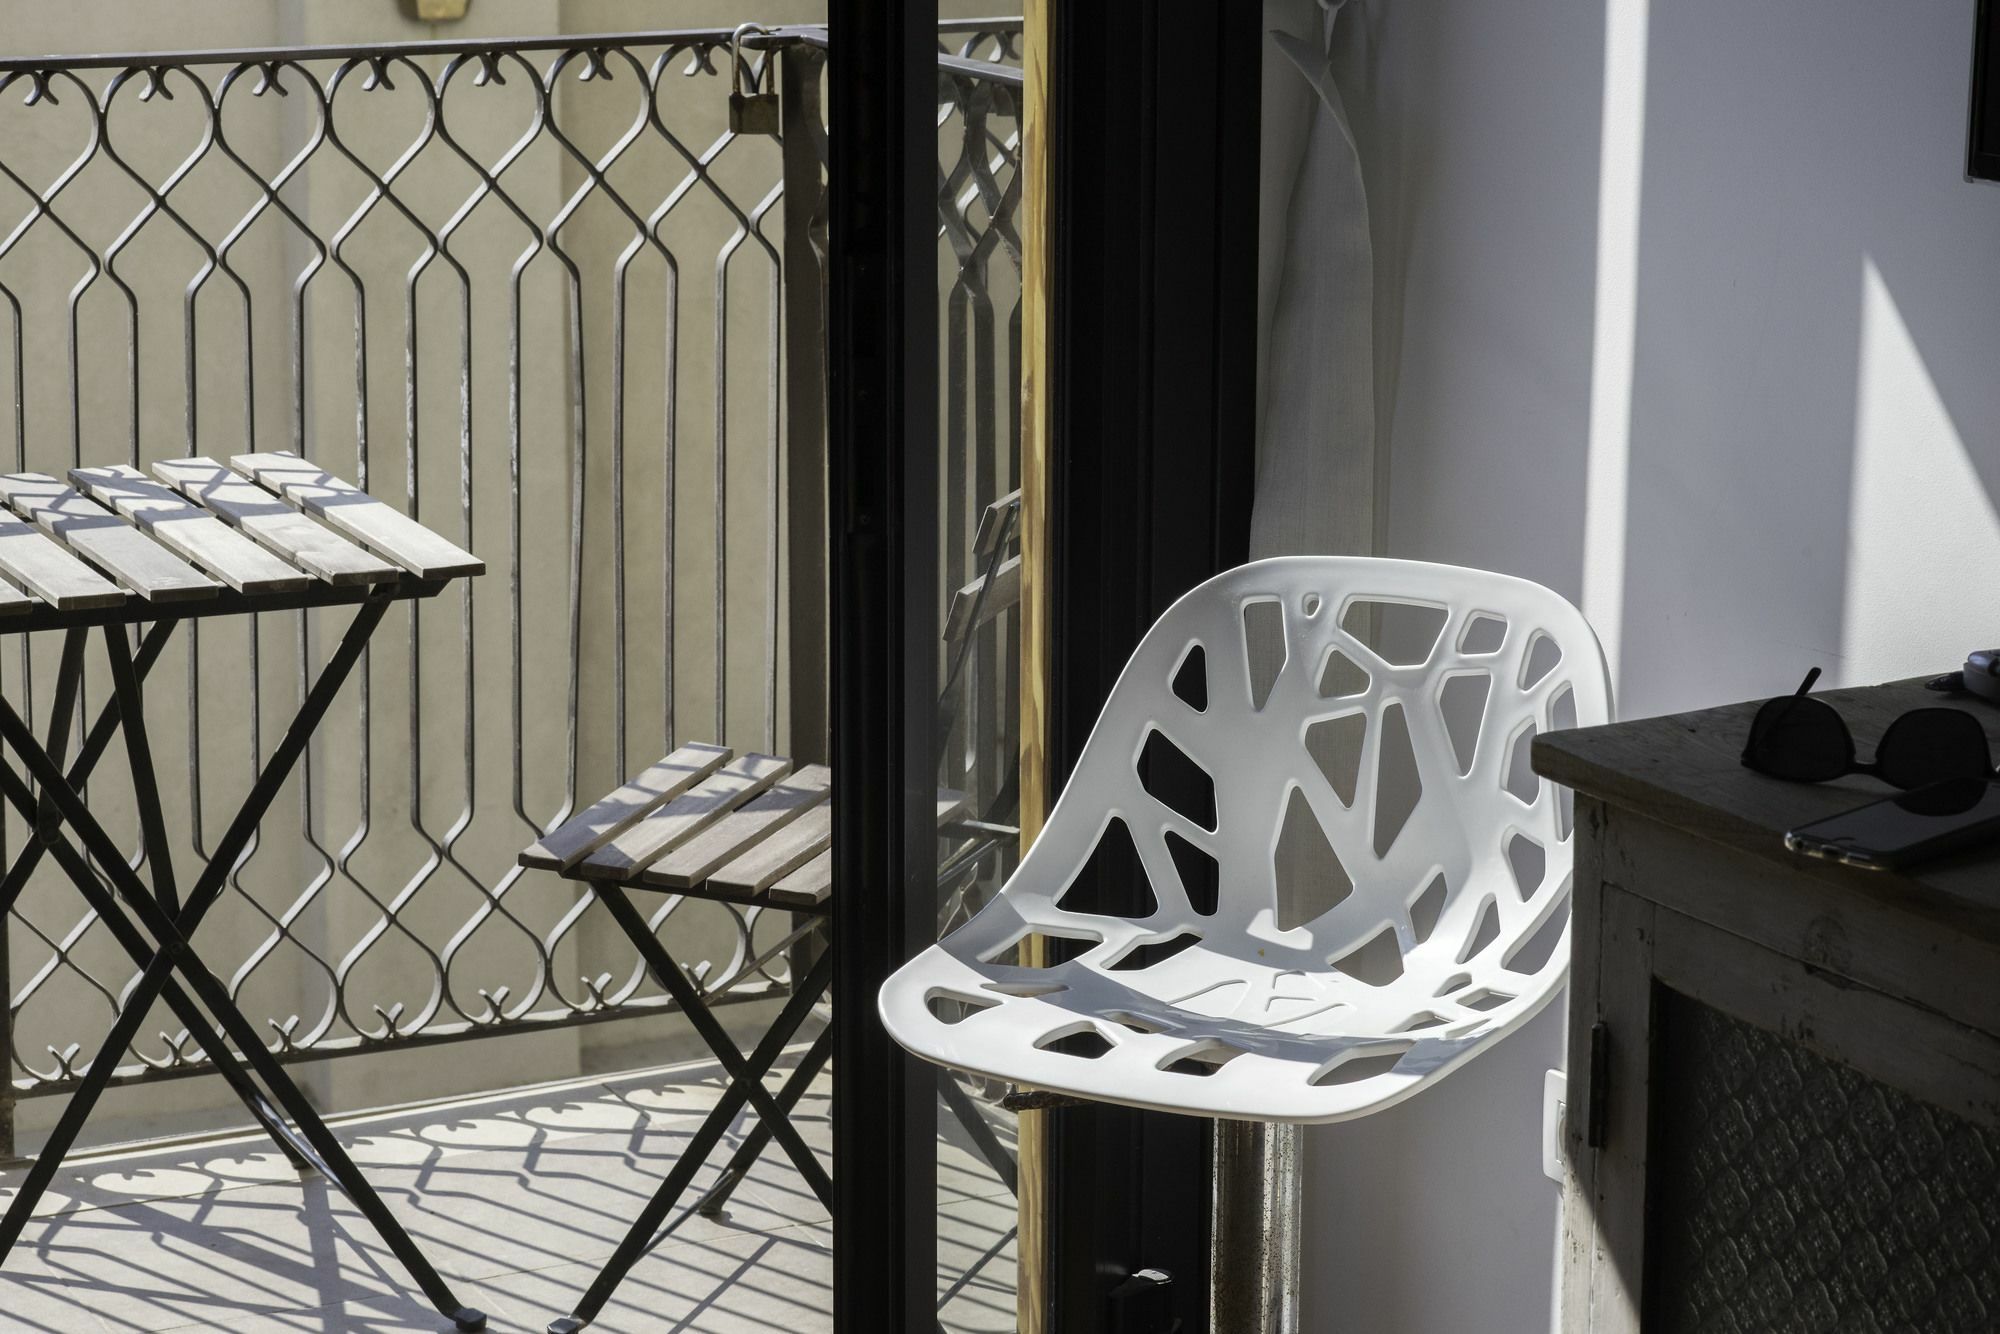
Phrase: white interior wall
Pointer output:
(1712, 347)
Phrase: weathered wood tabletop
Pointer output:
(197, 538)
(1684, 771)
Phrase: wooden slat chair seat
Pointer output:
(753, 829)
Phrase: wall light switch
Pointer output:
(1555, 1101)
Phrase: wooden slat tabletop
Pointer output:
(272, 523)
(188, 530)
(376, 525)
(104, 539)
(40, 565)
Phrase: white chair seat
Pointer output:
(1370, 712)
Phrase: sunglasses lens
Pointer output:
(1932, 745)
(1800, 739)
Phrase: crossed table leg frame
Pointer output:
(746, 1085)
(170, 968)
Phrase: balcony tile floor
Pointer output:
(515, 1196)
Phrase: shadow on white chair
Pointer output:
(1316, 769)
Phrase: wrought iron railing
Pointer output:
(541, 295)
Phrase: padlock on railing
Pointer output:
(757, 111)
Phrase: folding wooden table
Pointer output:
(117, 550)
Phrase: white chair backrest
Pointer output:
(1377, 886)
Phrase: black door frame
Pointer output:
(1154, 133)
(882, 493)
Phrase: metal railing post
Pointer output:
(7, 1154)
(803, 137)
(804, 270)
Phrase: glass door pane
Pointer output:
(979, 267)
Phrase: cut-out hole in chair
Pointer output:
(1082, 1041)
(1112, 883)
(1462, 701)
(1485, 999)
(1530, 955)
(1334, 744)
(1541, 659)
(1309, 876)
(1483, 634)
(1485, 931)
(1378, 961)
(1402, 634)
(1360, 1065)
(1153, 953)
(1190, 683)
(1203, 1060)
(1340, 677)
(1425, 908)
(1529, 861)
(1174, 780)
(948, 1007)
(1263, 646)
(1522, 780)
(1201, 874)
(1420, 1021)
(1398, 785)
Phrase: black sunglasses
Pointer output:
(1805, 740)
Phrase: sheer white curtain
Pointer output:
(1316, 489)
(1316, 443)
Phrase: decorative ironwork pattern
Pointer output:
(492, 282)
(1796, 1194)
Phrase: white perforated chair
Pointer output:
(1376, 890)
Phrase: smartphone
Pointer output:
(1906, 828)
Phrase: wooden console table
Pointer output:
(1784, 1106)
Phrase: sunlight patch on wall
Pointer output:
(1922, 530)
(1620, 169)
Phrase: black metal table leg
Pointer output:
(645, 1228)
(139, 758)
(95, 743)
(316, 1144)
(43, 816)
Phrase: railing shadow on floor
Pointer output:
(517, 1195)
